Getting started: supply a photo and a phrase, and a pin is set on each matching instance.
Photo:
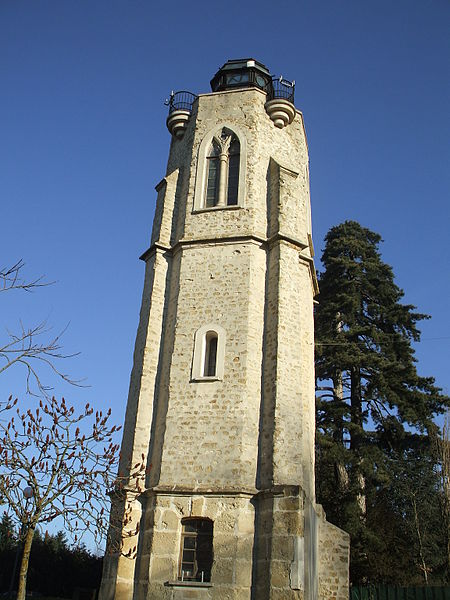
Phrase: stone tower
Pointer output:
(221, 400)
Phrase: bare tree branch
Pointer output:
(28, 349)
(11, 279)
(32, 347)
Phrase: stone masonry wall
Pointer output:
(334, 556)
(206, 420)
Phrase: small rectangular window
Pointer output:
(196, 550)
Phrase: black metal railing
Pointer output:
(180, 101)
(281, 88)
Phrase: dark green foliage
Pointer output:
(405, 513)
(370, 398)
(7, 533)
(56, 569)
(364, 335)
(8, 546)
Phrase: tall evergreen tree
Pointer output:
(8, 536)
(368, 385)
(8, 552)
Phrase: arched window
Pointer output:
(209, 367)
(220, 170)
(223, 170)
(209, 353)
(196, 554)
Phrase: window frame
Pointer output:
(195, 535)
(201, 180)
(200, 353)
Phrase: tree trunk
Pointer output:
(442, 445)
(21, 592)
(341, 474)
(361, 498)
(423, 564)
(355, 437)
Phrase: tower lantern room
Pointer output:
(242, 73)
(221, 403)
(238, 74)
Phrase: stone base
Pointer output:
(158, 571)
(267, 546)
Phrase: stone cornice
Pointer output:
(235, 91)
(153, 249)
(231, 239)
(238, 239)
(180, 490)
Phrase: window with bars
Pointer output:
(196, 554)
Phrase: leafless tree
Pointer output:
(442, 444)
(31, 347)
(50, 469)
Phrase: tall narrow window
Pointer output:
(210, 354)
(212, 188)
(233, 172)
(196, 554)
(221, 168)
(222, 183)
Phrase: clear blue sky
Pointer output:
(83, 142)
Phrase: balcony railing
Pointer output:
(180, 101)
(281, 88)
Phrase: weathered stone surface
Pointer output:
(334, 550)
